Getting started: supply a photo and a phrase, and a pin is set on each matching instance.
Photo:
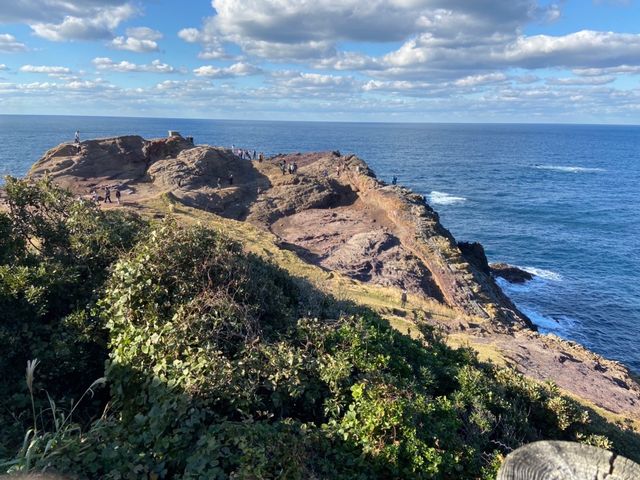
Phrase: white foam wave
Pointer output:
(442, 198)
(542, 273)
(560, 326)
(568, 168)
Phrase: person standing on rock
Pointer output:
(230, 178)
(394, 181)
(261, 157)
(283, 167)
(107, 195)
(219, 185)
(403, 297)
(77, 137)
(118, 194)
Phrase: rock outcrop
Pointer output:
(510, 273)
(333, 212)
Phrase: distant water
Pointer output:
(558, 200)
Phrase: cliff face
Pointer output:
(333, 212)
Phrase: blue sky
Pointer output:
(361, 60)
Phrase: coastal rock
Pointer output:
(333, 212)
(510, 273)
(474, 253)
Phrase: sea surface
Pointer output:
(560, 201)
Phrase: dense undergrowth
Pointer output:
(219, 364)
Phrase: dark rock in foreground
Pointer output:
(510, 273)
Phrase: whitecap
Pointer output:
(569, 168)
(561, 325)
(442, 198)
(542, 273)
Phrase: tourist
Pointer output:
(230, 178)
(94, 196)
(254, 154)
(283, 167)
(394, 180)
(294, 167)
(77, 136)
(118, 194)
(218, 183)
(107, 195)
(403, 297)
(261, 157)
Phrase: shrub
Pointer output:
(55, 252)
(215, 371)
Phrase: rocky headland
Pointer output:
(342, 223)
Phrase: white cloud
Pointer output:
(592, 80)
(297, 29)
(9, 44)
(47, 69)
(3, 67)
(239, 69)
(138, 39)
(212, 44)
(475, 80)
(619, 70)
(95, 24)
(156, 66)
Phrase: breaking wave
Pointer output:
(542, 273)
(442, 198)
(568, 169)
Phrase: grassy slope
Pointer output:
(384, 300)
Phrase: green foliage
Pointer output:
(221, 365)
(55, 252)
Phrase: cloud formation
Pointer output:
(107, 64)
(449, 57)
(138, 39)
(63, 20)
(47, 69)
(9, 44)
(239, 69)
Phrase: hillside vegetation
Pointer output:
(167, 351)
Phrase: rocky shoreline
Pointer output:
(335, 214)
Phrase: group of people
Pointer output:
(247, 154)
(107, 195)
(290, 168)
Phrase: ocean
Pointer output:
(560, 201)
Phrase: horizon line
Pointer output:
(324, 121)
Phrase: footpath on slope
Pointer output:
(334, 213)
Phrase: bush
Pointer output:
(55, 253)
(216, 370)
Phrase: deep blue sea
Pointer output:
(558, 200)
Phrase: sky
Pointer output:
(530, 61)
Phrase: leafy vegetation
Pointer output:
(55, 254)
(223, 365)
